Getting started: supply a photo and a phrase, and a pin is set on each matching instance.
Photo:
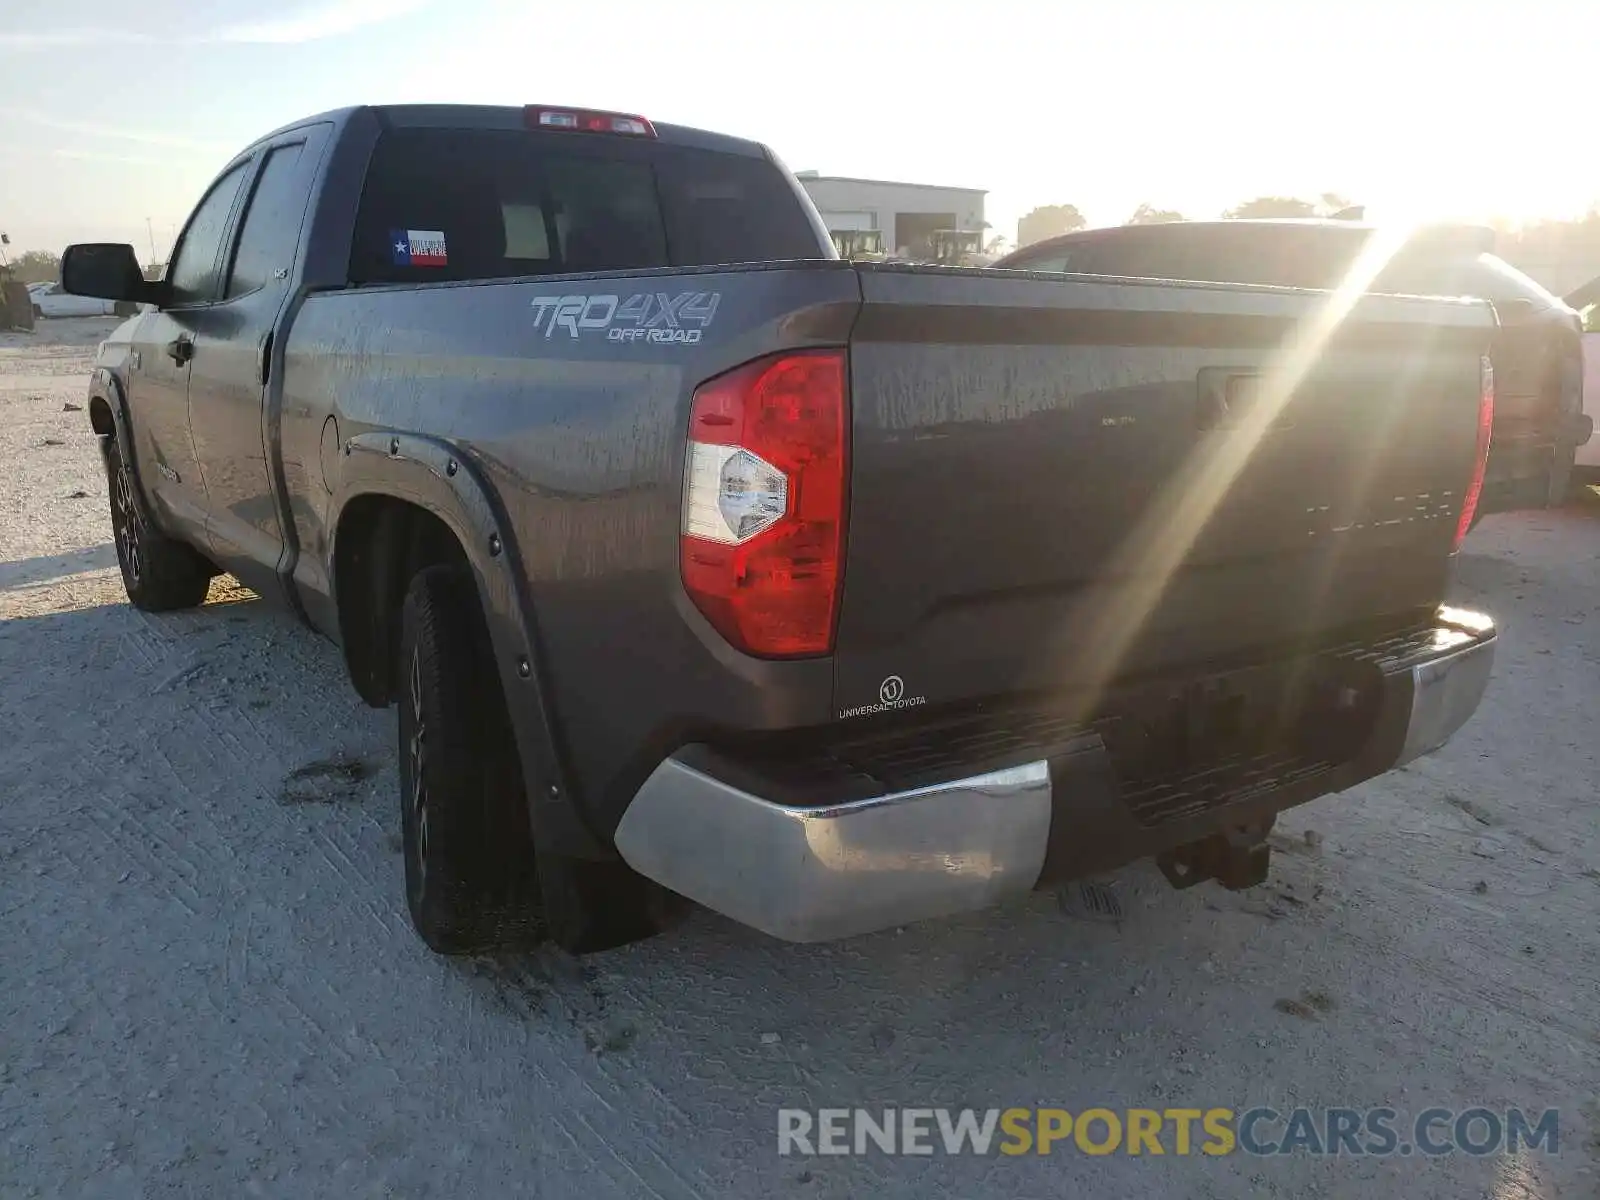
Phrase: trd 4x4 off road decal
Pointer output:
(641, 317)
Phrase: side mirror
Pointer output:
(107, 271)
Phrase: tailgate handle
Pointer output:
(1226, 395)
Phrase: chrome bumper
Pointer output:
(1445, 691)
(814, 874)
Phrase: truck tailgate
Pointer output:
(1058, 483)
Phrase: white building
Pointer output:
(906, 215)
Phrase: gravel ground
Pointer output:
(210, 988)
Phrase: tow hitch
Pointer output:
(1236, 858)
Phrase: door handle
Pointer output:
(181, 349)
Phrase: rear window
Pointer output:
(450, 204)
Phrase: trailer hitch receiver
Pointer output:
(1236, 858)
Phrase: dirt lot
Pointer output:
(208, 986)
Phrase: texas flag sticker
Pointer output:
(418, 247)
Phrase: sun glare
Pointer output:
(1155, 551)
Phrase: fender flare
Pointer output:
(433, 475)
(104, 385)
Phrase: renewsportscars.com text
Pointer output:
(1376, 1132)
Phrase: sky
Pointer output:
(114, 114)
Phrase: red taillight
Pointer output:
(1480, 464)
(764, 502)
(587, 120)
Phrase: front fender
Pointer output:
(431, 474)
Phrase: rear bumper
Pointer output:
(809, 873)
(1446, 691)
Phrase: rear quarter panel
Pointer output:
(579, 435)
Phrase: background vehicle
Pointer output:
(1586, 300)
(1538, 356)
(833, 596)
(51, 300)
(16, 306)
(1588, 461)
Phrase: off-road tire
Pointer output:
(158, 573)
(471, 883)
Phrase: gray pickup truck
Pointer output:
(831, 596)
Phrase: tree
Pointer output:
(1272, 206)
(1052, 220)
(1326, 205)
(36, 266)
(1148, 214)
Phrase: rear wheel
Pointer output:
(158, 573)
(475, 879)
(470, 879)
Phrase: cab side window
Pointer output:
(193, 274)
(270, 231)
